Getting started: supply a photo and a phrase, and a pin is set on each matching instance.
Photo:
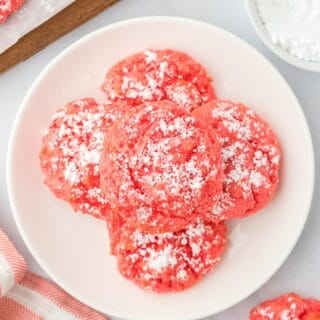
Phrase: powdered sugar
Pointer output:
(182, 275)
(266, 312)
(257, 179)
(163, 66)
(150, 56)
(5, 5)
(293, 25)
(161, 260)
(184, 94)
(285, 315)
(71, 173)
(195, 249)
(179, 95)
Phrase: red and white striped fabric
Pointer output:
(12, 265)
(30, 297)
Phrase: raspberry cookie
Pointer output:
(7, 7)
(160, 168)
(154, 75)
(70, 154)
(170, 261)
(289, 306)
(250, 157)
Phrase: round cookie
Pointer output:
(7, 7)
(288, 306)
(170, 261)
(160, 168)
(154, 75)
(70, 154)
(250, 157)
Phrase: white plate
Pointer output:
(73, 248)
(265, 37)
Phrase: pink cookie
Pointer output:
(154, 75)
(160, 169)
(170, 261)
(7, 7)
(287, 307)
(250, 156)
(70, 154)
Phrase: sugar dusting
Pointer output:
(184, 94)
(5, 5)
(267, 312)
(161, 260)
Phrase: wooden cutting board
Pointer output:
(66, 20)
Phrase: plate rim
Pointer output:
(19, 117)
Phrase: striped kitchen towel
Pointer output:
(27, 296)
(12, 265)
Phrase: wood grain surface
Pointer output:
(66, 20)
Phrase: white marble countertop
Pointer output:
(301, 271)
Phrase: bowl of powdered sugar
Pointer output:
(290, 28)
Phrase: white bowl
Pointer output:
(265, 37)
(73, 248)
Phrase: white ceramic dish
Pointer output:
(265, 37)
(73, 248)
